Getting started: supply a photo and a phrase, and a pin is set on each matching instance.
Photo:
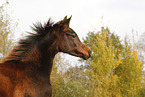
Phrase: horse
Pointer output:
(25, 72)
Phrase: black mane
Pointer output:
(24, 44)
(39, 28)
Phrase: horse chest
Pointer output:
(34, 88)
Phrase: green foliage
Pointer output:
(63, 82)
(104, 60)
(131, 77)
(5, 31)
(114, 70)
(71, 83)
(68, 87)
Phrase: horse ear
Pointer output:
(70, 18)
(66, 21)
(65, 18)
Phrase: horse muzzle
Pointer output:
(87, 56)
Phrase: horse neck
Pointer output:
(46, 61)
(41, 56)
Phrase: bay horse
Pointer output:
(25, 72)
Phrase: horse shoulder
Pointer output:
(5, 86)
(9, 77)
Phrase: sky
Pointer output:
(121, 16)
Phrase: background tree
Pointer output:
(104, 60)
(115, 67)
(5, 30)
(141, 46)
(68, 82)
(141, 42)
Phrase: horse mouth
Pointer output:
(82, 55)
(85, 57)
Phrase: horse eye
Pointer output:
(71, 34)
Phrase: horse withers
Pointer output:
(25, 72)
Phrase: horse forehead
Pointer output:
(68, 29)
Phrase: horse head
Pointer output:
(69, 41)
